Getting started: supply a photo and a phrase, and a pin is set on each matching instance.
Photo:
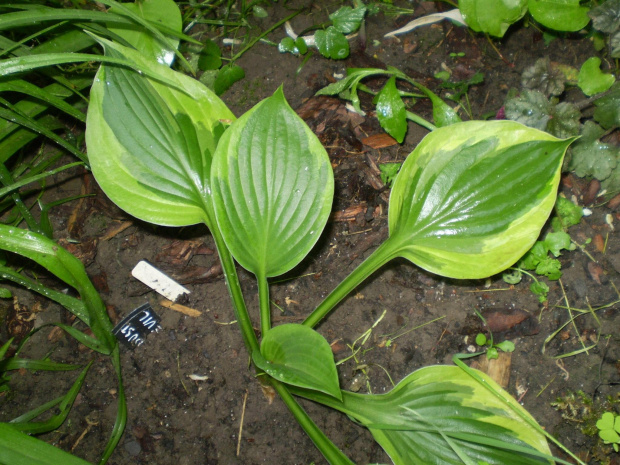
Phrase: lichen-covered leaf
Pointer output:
(607, 112)
(543, 77)
(591, 157)
(606, 16)
(565, 120)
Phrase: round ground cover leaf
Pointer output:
(561, 15)
(272, 188)
(150, 145)
(531, 108)
(332, 43)
(607, 112)
(298, 355)
(492, 16)
(471, 199)
(165, 12)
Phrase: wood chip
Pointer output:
(597, 273)
(116, 230)
(589, 196)
(599, 243)
(180, 308)
(379, 141)
(614, 202)
(498, 369)
(349, 213)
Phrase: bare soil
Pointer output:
(176, 420)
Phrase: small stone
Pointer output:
(133, 448)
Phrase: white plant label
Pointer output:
(158, 281)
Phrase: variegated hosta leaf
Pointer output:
(439, 412)
(272, 188)
(441, 415)
(150, 145)
(158, 11)
(472, 197)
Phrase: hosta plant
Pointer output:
(469, 201)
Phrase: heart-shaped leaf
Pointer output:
(150, 145)
(272, 188)
(592, 80)
(606, 421)
(226, 77)
(165, 12)
(297, 355)
(471, 199)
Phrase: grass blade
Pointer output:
(65, 407)
(20, 449)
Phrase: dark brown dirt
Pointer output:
(174, 419)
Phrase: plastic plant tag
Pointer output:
(133, 329)
(158, 281)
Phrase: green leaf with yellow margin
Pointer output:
(440, 415)
(471, 199)
(150, 145)
(164, 12)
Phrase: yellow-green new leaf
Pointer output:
(150, 145)
(272, 188)
(471, 199)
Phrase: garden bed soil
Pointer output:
(176, 419)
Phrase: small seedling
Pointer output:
(538, 259)
(609, 429)
(460, 88)
(389, 172)
(493, 349)
(330, 37)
